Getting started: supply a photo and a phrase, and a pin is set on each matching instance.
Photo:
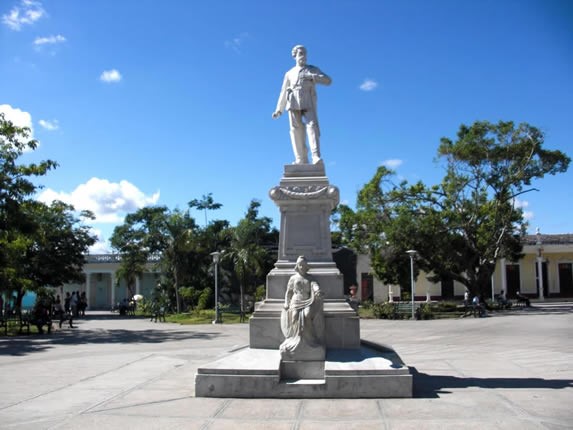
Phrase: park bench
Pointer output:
(522, 301)
(15, 318)
(234, 310)
(158, 313)
(404, 309)
(502, 302)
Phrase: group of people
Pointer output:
(75, 303)
(74, 306)
(48, 309)
(477, 305)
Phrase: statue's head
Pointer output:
(301, 265)
(299, 54)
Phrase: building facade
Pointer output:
(550, 255)
(102, 287)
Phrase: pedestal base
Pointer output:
(371, 371)
(341, 325)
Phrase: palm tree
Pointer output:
(206, 203)
(178, 235)
(246, 252)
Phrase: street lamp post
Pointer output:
(412, 254)
(539, 264)
(216, 258)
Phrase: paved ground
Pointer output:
(511, 371)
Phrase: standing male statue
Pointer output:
(298, 96)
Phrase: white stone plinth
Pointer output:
(342, 325)
(371, 371)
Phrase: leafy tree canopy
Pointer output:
(40, 244)
(463, 225)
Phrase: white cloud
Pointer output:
(392, 163)
(368, 85)
(236, 42)
(110, 76)
(101, 246)
(528, 215)
(523, 204)
(109, 201)
(20, 119)
(50, 40)
(49, 125)
(26, 13)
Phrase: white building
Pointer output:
(101, 285)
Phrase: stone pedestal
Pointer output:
(350, 369)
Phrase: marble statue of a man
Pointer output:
(302, 319)
(298, 97)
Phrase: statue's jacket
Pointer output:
(298, 91)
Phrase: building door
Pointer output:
(513, 280)
(367, 286)
(545, 281)
(565, 280)
(447, 289)
(103, 291)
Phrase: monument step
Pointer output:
(303, 382)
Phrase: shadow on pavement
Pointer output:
(431, 386)
(25, 344)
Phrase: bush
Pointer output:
(424, 312)
(204, 299)
(383, 310)
(260, 293)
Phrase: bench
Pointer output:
(158, 313)
(523, 301)
(404, 309)
(15, 318)
(502, 303)
(234, 310)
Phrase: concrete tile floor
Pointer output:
(508, 371)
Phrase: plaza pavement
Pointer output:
(506, 371)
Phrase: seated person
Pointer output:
(523, 299)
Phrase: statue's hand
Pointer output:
(276, 114)
(285, 306)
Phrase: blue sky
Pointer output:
(146, 102)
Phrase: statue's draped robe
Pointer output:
(302, 323)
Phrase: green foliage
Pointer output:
(205, 299)
(463, 225)
(205, 203)
(383, 310)
(260, 293)
(39, 244)
(247, 253)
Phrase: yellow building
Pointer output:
(553, 253)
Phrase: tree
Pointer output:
(136, 240)
(39, 244)
(56, 251)
(178, 245)
(171, 236)
(247, 252)
(463, 225)
(206, 203)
